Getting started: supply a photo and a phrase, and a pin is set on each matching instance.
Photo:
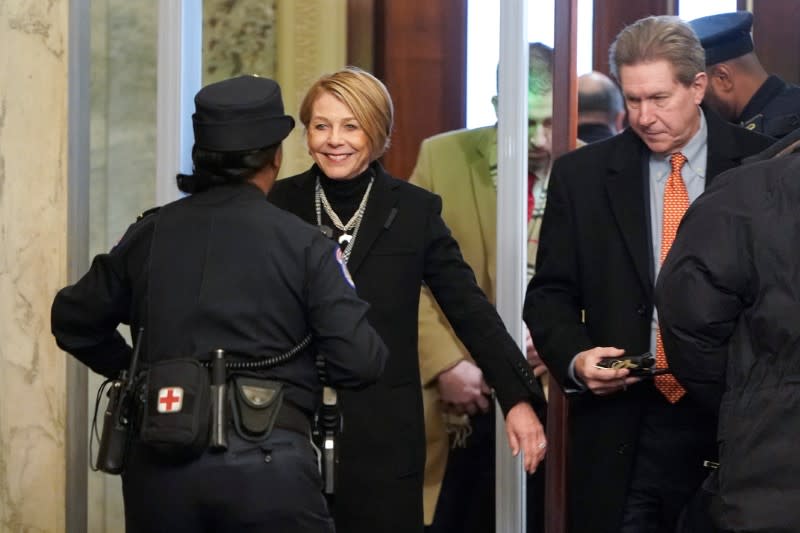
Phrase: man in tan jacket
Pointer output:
(461, 167)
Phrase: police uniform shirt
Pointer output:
(774, 109)
(229, 271)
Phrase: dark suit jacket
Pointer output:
(595, 260)
(402, 243)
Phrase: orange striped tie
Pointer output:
(676, 202)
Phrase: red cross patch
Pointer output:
(170, 399)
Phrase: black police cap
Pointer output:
(724, 36)
(239, 114)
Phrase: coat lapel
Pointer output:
(378, 216)
(301, 201)
(627, 196)
(486, 200)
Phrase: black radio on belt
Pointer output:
(118, 418)
(327, 426)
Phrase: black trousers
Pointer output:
(668, 468)
(271, 486)
(535, 499)
(695, 517)
(466, 501)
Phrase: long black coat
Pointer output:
(402, 243)
(595, 260)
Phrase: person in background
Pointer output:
(734, 343)
(222, 269)
(601, 113)
(636, 445)
(461, 167)
(739, 88)
(394, 240)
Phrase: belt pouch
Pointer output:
(177, 410)
(256, 403)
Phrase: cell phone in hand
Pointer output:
(643, 365)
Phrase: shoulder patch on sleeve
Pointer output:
(345, 272)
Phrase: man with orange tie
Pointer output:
(636, 443)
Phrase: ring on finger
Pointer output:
(542, 445)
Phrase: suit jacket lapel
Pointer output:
(377, 217)
(627, 196)
(486, 202)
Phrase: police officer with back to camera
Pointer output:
(222, 279)
(739, 88)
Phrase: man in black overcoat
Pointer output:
(635, 457)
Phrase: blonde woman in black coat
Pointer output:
(394, 240)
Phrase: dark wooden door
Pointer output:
(418, 49)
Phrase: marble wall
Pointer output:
(292, 41)
(33, 262)
(122, 161)
(123, 116)
(311, 41)
(238, 38)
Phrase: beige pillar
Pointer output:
(311, 41)
(33, 262)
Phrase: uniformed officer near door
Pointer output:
(223, 279)
(739, 88)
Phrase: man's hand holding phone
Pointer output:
(643, 365)
(597, 370)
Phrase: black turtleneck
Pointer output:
(345, 195)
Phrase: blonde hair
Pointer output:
(659, 38)
(365, 95)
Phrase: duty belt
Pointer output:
(293, 419)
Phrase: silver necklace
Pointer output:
(349, 230)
